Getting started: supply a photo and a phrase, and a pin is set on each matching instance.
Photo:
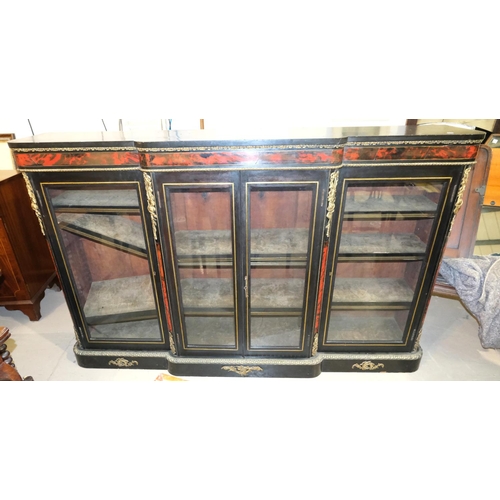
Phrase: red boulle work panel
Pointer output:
(276, 254)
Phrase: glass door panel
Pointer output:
(386, 236)
(201, 230)
(100, 232)
(281, 218)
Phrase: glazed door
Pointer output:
(385, 246)
(99, 237)
(198, 214)
(239, 253)
(283, 222)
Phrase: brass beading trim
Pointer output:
(34, 204)
(332, 188)
(73, 150)
(151, 203)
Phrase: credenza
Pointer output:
(268, 254)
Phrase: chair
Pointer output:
(8, 370)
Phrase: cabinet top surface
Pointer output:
(177, 138)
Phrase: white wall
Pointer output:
(41, 125)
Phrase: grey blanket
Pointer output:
(477, 282)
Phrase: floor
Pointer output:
(44, 349)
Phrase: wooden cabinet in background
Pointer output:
(492, 196)
(25, 261)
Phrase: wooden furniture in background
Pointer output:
(462, 239)
(492, 195)
(8, 370)
(25, 259)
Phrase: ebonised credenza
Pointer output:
(283, 254)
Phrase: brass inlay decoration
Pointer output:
(202, 168)
(423, 142)
(421, 163)
(460, 194)
(315, 344)
(72, 150)
(235, 148)
(151, 203)
(368, 365)
(242, 370)
(417, 342)
(172, 343)
(461, 190)
(334, 179)
(97, 169)
(34, 204)
(123, 363)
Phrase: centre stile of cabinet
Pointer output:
(221, 256)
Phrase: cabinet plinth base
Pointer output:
(249, 367)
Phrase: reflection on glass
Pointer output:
(385, 238)
(280, 224)
(105, 249)
(202, 222)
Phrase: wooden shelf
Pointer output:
(119, 300)
(263, 242)
(284, 247)
(364, 329)
(93, 200)
(111, 230)
(381, 244)
(370, 292)
(210, 331)
(265, 332)
(275, 332)
(386, 203)
(140, 330)
(216, 294)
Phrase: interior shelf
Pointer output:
(371, 291)
(112, 230)
(266, 294)
(268, 246)
(276, 332)
(367, 244)
(119, 300)
(364, 202)
(107, 200)
(265, 332)
(214, 331)
(141, 330)
(367, 329)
